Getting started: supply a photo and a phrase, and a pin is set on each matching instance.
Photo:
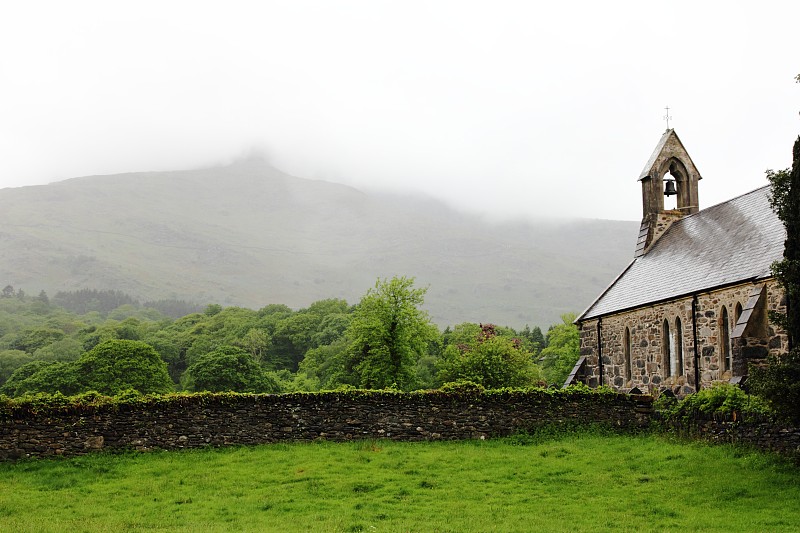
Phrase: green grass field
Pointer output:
(582, 482)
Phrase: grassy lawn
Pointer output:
(584, 482)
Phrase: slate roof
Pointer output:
(728, 243)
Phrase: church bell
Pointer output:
(669, 189)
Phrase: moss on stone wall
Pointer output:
(38, 427)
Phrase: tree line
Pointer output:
(108, 342)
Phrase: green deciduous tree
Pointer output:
(117, 365)
(256, 342)
(200, 334)
(490, 360)
(43, 376)
(323, 322)
(31, 340)
(129, 329)
(388, 333)
(11, 360)
(13, 385)
(463, 335)
(66, 349)
(166, 344)
(228, 368)
(563, 350)
(324, 365)
(330, 329)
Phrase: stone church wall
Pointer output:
(641, 361)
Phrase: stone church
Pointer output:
(691, 307)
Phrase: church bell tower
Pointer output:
(669, 171)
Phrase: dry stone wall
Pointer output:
(764, 435)
(220, 420)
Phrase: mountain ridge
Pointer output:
(248, 234)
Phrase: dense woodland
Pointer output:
(106, 341)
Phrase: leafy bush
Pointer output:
(721, 400)
(779, 384)
(462, 387)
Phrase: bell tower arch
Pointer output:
(669, 171)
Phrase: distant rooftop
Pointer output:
(732, 242)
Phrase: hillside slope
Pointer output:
(247, 234)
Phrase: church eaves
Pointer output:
(732, 242)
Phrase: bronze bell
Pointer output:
(669, 190)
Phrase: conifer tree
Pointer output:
(785, 200)
(779, 381)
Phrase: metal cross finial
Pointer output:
(667, 117)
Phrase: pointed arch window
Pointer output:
(678, 347)
(725, 339)
(666, 349)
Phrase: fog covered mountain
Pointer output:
(247, 234)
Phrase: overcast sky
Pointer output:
(513, 108)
